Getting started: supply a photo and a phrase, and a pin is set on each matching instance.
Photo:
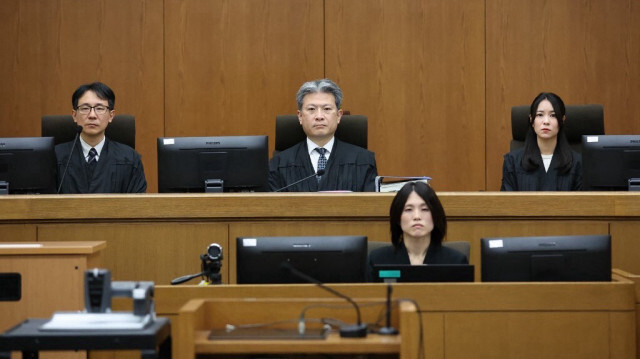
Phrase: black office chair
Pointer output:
(581, 120)
(352, 129)
(62, 128)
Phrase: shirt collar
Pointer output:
(86, 147)
(311, 146)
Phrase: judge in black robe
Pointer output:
(516, 178)
(524, 169)
(349, 168)
(118, 170)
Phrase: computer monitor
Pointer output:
(328, 259)
(27, 165)
(610, 161)
(547, 258)
(213, 164)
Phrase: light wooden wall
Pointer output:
(436, 78)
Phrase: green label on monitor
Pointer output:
(389, 274)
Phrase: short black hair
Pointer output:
(101, 90)
(431, 199)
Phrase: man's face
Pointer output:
(319, 117)
(93, 123)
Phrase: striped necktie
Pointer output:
(322, 161)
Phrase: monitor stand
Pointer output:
(4, 187)
(213, 186)
(634, 184)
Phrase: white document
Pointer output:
(96, 321)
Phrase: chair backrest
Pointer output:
(463, 247)
(352, 129)
(581, 120)
(62, 128)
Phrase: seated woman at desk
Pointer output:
(418, 226)
(546, 162)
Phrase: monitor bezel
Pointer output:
(243, 163)
(604, 166)
(32, 167)
(259, 259)
(546, 258)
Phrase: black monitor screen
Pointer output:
(609, 161)
(210, 164)
(328, 259)
(549, 258)
(28, 165)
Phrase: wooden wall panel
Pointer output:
(232, 65)
(585, 51)
(416, 69)
(437, 78)
(158, 252)
(49, 48)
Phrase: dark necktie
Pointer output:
(322, 161)
(92, 161)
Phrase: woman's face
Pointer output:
(545, 123)
(416, 220)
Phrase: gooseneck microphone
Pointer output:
(78, 131)
(388, 329)
(319, 173)
(358, 330)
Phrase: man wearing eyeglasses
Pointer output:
(96, 164)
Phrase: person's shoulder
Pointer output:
(290, 153)
(350, 152)
(453, 255)
(64, 144)
(120, 149)
(63, 148)
(348, 147)
(383, 254)
(517, 153)
(577, 156)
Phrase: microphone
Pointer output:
(319, 173)
(78, 130)
(388, 329)
(358, 330)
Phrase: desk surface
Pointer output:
(334, 344)
(46, 248)
(26, 336)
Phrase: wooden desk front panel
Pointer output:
(478, 320)
(18, 233)
(157, 252)
(160, 236)
(529, 335)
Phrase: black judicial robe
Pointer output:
(435, 255)
(515, 178)
(350, 168)
(119, 170)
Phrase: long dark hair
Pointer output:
(431, 199)
(532, 159)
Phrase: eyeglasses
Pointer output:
(86, 109)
